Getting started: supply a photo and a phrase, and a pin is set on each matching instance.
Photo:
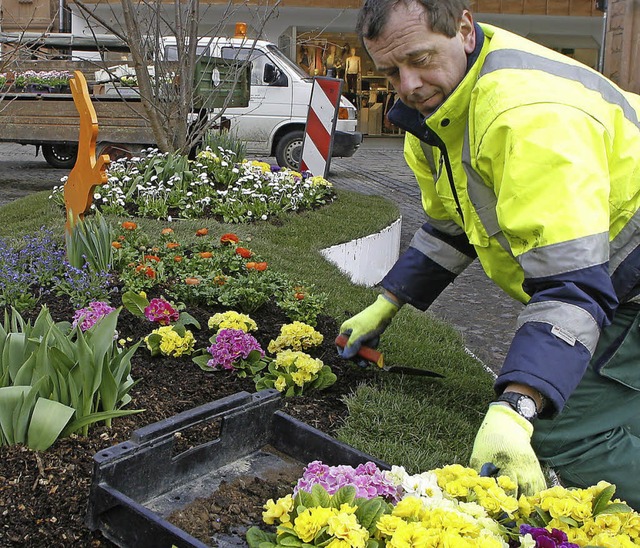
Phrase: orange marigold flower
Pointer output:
(243, 252)
(152, 258)
(117, 245)
(150, 272)
(166, 231)
(261, 267)
(177, 259)
(299, 296)
(129, 225)
(192, 281)
(172, 245)
(206, 254)
(250, 265)
(220, 280)
(229, 238)
(202, 232)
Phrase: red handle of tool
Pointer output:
(365, 352)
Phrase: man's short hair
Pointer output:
(442, 15)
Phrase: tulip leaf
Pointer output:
(47, 421)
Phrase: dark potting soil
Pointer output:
(43, 495)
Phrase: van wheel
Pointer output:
(61, 155)
(289, 150)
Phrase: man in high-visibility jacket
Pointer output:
(530, 162)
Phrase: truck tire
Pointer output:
(289, 150)
(60, 155)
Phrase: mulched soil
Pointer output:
(43, 495)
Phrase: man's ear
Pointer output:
(468, 32)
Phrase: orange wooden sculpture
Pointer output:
(88, 172)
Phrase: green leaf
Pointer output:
(97, 417)
(187, 319)
(289, 541)
(369, 512)
(320, 496)
(134, 303)
(344, 495)
(257, 538)
(11, 397)
(47, 421)
(201, 362)
(601, 501)
(615, 508)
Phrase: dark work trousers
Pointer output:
(596, 436)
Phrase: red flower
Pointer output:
(299, 296)
(172, 245)
(202, 232)
(229, 238)
(243, 252)
(206, 254)
(128, 225)
(261, 267)
(152, 258)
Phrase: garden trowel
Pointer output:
(371, 355)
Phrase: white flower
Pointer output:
(264, 217)
(169, 219)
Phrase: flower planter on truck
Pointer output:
(137, 484)
(51, 120)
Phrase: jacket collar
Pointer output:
(411, 120)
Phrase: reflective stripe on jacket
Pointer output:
(532, 164)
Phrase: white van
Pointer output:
(273, 123)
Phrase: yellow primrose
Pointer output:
(308, 524)
(278, 510)
(232, 320)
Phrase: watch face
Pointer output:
(527, 407)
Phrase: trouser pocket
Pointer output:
(618, 354)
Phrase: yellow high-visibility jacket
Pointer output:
(532, 165)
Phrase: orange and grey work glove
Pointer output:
(366, 327)
(504, 440)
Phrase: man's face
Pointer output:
(423, 66)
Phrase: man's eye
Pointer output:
(422, 61)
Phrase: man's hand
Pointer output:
(366, 326)
(504, 439)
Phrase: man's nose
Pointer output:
(409, 81)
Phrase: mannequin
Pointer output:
(304, 59)
(352, 71)
(330, 62)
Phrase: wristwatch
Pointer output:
(521, 403)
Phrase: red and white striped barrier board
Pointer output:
(321, 125)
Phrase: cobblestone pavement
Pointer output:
(482, 313)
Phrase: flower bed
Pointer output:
(449, 506)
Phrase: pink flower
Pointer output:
(161, 312)
(232, 345)
(87, 317)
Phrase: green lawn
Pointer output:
(418, 423)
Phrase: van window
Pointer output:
(258, 61)
(171, 52)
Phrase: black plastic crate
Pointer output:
(138, 483)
